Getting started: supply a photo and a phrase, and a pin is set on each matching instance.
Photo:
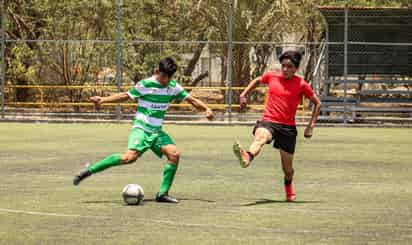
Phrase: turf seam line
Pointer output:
(16, 211)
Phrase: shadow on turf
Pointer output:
(197, 199)
(146, 200)
(104, 202)
(264, 201)
(185, 199)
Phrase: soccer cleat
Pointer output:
(81, 176)
(165, 198)
(290, 193)
(241, 154)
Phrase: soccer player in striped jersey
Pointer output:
(153, 96)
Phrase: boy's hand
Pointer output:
(97, 100)
(243, 102)
(209, 114)
(308, 132)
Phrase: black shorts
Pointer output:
(283, 136)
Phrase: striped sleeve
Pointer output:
(134, 92)
(182, 94)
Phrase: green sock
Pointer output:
(169, 172)
(110, 161)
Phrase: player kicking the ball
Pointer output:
(278, 123)
(153, 95)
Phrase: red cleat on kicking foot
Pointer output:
(290, 193)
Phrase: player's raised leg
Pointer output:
(169, 172)
(138, 142)
(262, 136)
(287, 167)
(113, 160)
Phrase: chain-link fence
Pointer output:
(368, 63)
(360, 65)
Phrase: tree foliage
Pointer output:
(77, 63)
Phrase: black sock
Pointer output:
(288, 182)
(251, 156)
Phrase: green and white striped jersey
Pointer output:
(153, 101)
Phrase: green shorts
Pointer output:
(141, 141)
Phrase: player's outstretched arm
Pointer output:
(250, 87)
(315, 113)
(98, 100)
(198, 104)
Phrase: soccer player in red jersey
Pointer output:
(278, 122)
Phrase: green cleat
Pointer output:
(241, 154)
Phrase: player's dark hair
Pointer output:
(294, 56)
(168, 66)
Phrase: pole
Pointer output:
(3, 58)
(229, 61)
(119, 56)
(345, 65)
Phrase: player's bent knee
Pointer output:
(173, 157)
(129, 157)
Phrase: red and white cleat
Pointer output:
(290, 193)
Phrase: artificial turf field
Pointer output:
(354, 186)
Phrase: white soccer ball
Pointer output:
(133, 194)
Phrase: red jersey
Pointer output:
(284, 97)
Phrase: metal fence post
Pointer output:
(229, 61)
(3, 58)
(119, 56)
(345, 64)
